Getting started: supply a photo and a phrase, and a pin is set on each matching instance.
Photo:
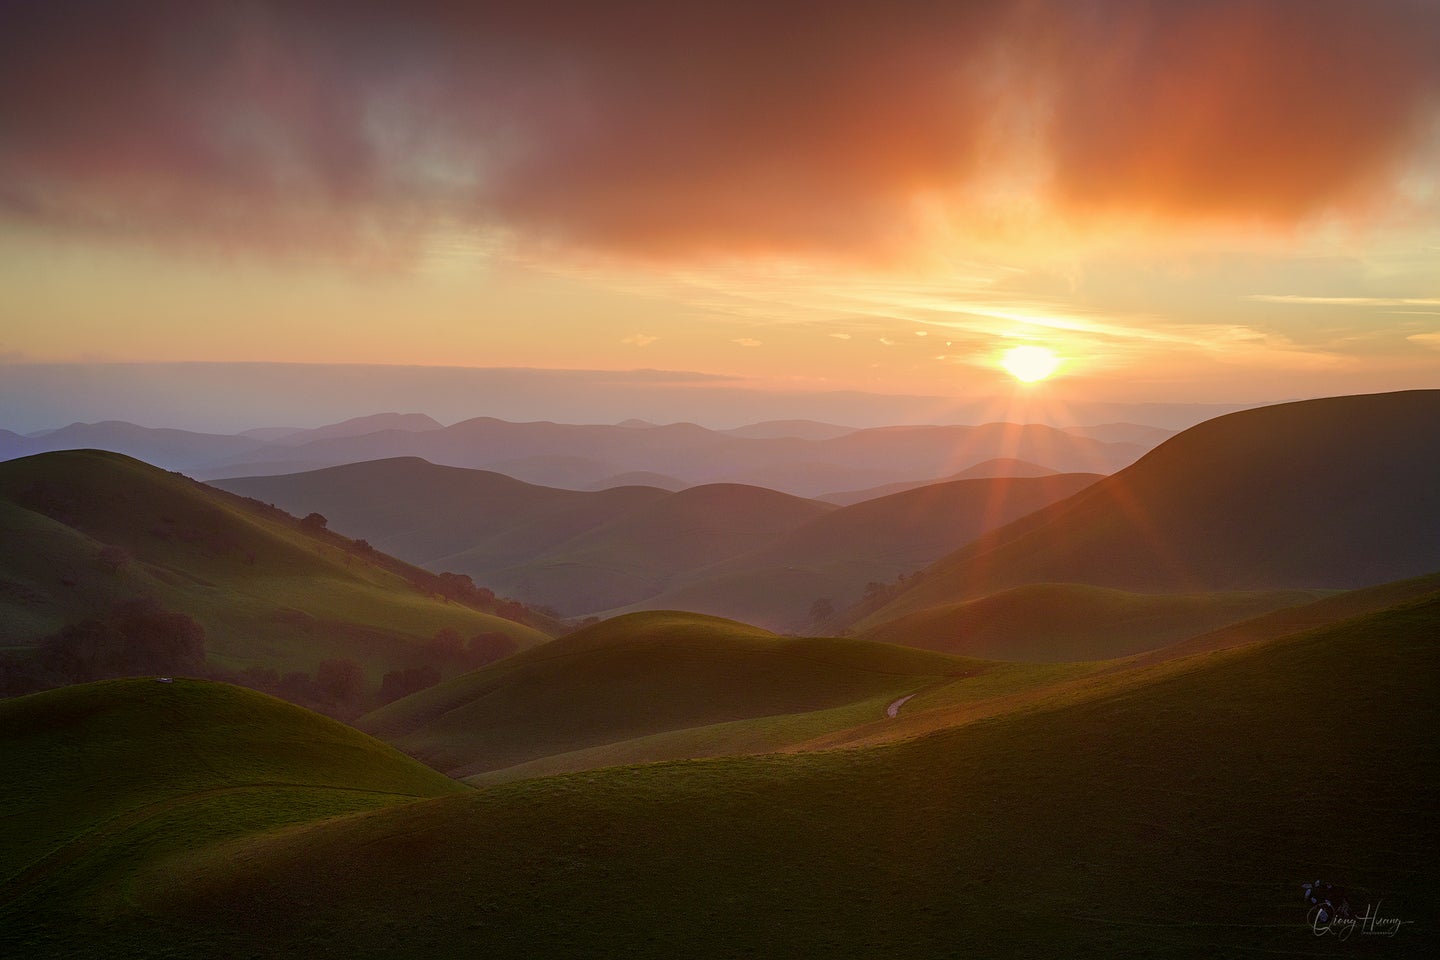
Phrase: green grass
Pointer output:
(87, 763)
(1174, 818)
(1065, 621)
(267, 592)
(633, 677)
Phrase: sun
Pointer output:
(1029, 364)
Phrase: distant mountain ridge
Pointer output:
(998, 467)
(803, 458)
(696, 455)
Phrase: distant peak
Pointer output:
(389, 421)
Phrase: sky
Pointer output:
(1192, 202)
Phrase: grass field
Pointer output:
(652, 686)
(88, 765)
(266, 591)
(1170, 818)
(1066, 621)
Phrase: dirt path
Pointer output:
(893, 710)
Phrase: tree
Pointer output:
(511, 610)
(455, 586)
(489, 647)
(136, 638)
(314, 520)
(447, 645)
(342, 681)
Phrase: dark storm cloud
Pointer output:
(665, 128)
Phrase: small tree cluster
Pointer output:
(136, 638)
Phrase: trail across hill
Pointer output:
(893, 710)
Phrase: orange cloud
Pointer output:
(1235, 108)
(671, 128)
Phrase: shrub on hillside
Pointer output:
(139, 637)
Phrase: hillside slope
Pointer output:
(433, 515)
(102, 762)
(1335, 493)
(640, 675)
(86, 530)
(833, 557)
(988, 469)
(1172, 818)
(1055, 622)
(580, 552)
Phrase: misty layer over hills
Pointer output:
(800, 458)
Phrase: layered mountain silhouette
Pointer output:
(725, 549)
(1335, 493)
(802, 458)
(998, 467)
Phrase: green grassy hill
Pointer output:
(1047, 622)
(1174, 817)
(99, 777)
(1336, 493)
(85, 530)
(1310, 616)
(475, 522)
(635, 677)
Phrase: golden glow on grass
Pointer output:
(1029, 363)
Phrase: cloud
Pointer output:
(680, 129)
(747, 341)
(1268, 110)
(1349, 301)
(639, 340)
(1431, 340)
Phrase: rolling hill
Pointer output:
(1320, 494)
(835, 555)
(578, 551)
(1056, 622)
(723, 549)
(633, 677)
(429, 514)
(1174, 815)
(639, 552)
(998, 467)
(97, 763)
(86, 530)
